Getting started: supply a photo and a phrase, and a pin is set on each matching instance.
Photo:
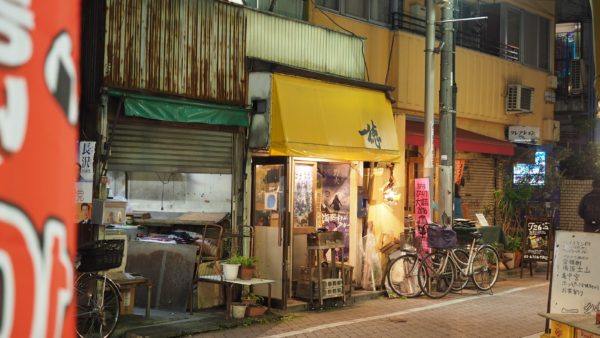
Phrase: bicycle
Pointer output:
(402, 270)
(442, 268)
(98, 297)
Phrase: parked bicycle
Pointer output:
(98, 297)
(449, 268)
(404, 263)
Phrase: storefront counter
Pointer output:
(491, 234)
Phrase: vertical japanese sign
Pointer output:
(39, 45)
(459, 170)
(422, 207)
(85, 166)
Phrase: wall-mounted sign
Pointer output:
(523, 134)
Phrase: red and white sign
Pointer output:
(39, 47)
(422, 207)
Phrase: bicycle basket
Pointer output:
(101, 255)
(440, 238)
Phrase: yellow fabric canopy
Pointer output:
(312, 118)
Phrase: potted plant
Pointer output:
(513, 251)
(247, 267)
(231, 267)
(254, 305)
(251, 298)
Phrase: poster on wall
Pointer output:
(85, 170)
(39, 43)
(335, 202)
(303, 196)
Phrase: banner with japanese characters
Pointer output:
(422, 208)
(39, 59)
(85, 167)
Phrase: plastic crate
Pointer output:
(101, 255)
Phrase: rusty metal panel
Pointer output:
(300, 44)
(192, 48)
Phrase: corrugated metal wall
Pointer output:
(165, 148)
(480, 184)
(303, 45)
(192, 48)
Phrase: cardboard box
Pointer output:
(579, 333)
(560, 330)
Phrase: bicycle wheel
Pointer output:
(97, 306)
(460, 279)
(436, 275)
(402, 275)
(485, 267)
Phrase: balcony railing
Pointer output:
(476, 42)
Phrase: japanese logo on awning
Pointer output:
(39, 46)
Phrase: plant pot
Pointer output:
(518, 258)
(249, 301)
(238, 311)
(255, 310)
(246, 272)
(511, 263)
(230, 271)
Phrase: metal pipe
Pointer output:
(429, 92)
(447, 112)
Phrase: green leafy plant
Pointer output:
(253, 296)
(514, 244)
(242, 260)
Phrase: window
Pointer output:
(376, 11)
(520, 36)
(380, 10)
(289, 8)
(331, 4)
(357, 8)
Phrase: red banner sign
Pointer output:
(39, 47)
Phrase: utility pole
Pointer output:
(429, 99)
(447, 116)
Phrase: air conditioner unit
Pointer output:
(576, 76)
(519, 99)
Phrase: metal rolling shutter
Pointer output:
(160, 148)
(478, 191)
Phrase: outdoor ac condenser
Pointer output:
(519, 99)
(576, 76)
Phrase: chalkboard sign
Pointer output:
(576, 273)
(537, 240)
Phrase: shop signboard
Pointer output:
(39, 47)
(575, 285)
(537, 240)
(422, 208)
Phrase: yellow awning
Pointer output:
(312, 118)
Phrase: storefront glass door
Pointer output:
(271, 225)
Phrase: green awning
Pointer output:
(157, 108)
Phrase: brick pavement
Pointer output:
(511, 312)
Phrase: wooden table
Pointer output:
(586, 323)
(229, 283)
(132, 283)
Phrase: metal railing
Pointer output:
(406, 22)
